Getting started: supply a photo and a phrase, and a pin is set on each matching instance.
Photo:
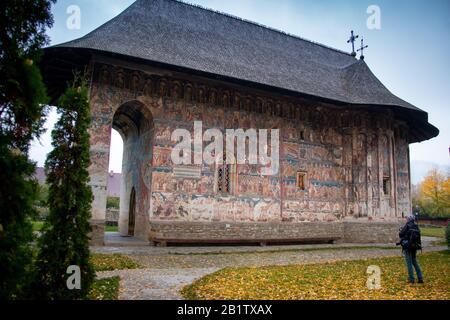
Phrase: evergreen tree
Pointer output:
(65, 239)
(22, 100)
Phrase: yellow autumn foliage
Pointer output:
(435, 192)
(110, 262)
(344, 280)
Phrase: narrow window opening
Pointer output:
(225, 176)
(386, 186)
(301, 180)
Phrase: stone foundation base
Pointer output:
(170, 232)
(165, 232)
(371, 232)
(97, 235)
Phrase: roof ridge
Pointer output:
(229, 15)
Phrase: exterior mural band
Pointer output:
(319, 140)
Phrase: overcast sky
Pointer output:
(409, 53)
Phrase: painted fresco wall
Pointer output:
(349, 156)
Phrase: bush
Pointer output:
(113, 203)
(42, 195)
(42, 213)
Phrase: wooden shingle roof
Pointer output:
(194, 38)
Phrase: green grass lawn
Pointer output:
(37, 225)
(110, 262)
(433, 232)
(111, 229)
(327, 248)
(108, 288)
(341, 280)
(105, 289)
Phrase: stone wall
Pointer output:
(241, 232)
(112, 216)
(370, 232)
(356, 160)
(272, 232)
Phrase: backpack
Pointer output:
(414, 239)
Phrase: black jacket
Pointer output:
(404, 232)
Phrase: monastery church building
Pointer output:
(161, 65)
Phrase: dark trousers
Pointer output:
(411, 261)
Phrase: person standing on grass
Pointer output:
(411, 242)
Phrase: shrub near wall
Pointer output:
(113, 203)
(433, 221)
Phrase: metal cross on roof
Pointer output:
(362, 49)
(352, 40)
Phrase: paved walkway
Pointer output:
(167, 270)
(155, 284)
(114, 239)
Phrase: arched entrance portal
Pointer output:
(134, 122)
(132, 213)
